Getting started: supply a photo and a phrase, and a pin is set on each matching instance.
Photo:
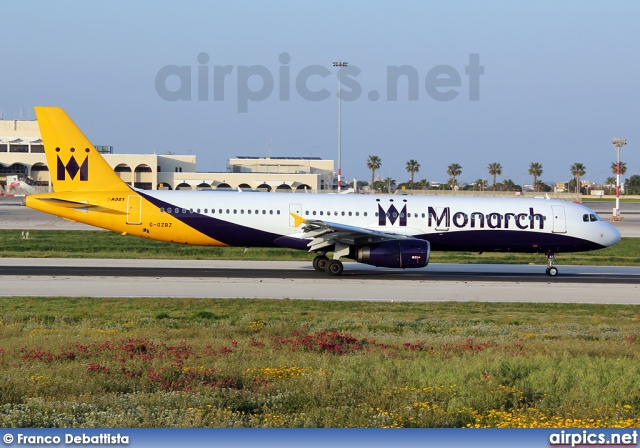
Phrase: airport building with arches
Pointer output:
(22, 154)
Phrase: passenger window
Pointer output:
(321, 213)
(184, 210)
(227, 211)
(271, 212)
(257, 212)
(423, 215)
(242, 212)
(349, 213)
(190, 210)
(342, 213)
(314, 213)
(357, 213)
(161, 209)
(198, 210)
(365, 213)
(235, 211)
(169, 210)
(278, 212)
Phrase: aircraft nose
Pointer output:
(610, 235)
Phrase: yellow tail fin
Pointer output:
(74, 163)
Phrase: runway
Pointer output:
(297, 280)
(293, 280)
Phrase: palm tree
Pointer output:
(578, 169)
(611, 181)
(379, 185)
(495, 169)
(374, 163)
(508, 184)
(422, 184)
(614, 167)
(389, 183)
(412, 167)
(454, 170)
(535, 170)
(481, 184)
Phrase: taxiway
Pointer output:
(298, 280)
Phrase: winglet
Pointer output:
(297, 220)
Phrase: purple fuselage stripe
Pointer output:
(498, 240)
(220, 230)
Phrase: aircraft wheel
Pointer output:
(320, 263)
(334, 267)
(552, 271)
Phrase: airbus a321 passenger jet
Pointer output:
(381, 230)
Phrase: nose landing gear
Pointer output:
(552, 271)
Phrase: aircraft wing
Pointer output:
(326, 234)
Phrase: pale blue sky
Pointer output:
(561, 79)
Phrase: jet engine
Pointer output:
(395, 254)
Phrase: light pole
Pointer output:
(618, 143)
(340, 65)
(601, 184)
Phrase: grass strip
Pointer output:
(100, 244)
(79, 362)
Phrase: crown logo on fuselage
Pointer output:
(392, 215)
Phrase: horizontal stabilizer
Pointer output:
(79, 205)
(67, 203)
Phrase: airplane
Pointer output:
(391, 231)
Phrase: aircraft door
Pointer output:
(295, 209)
(134, 209)
(559, 220)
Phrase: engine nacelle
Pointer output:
(395, 254)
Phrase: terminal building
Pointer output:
(22, 154)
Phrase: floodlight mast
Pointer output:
(340, 65)
(618, 144)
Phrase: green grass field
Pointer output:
(289, 363)
(80, 362)
(99, 244)
(612, 199)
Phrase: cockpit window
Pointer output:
(585, 217)
(590, 217)
(593, 217)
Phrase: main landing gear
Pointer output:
(552, 271)
(332, 267)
